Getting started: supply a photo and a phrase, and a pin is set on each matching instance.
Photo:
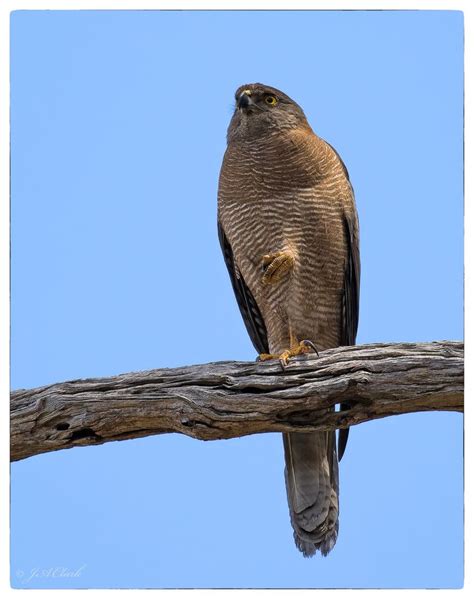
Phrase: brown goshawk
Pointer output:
(288, 229)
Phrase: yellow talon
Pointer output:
(276, 266)
(303, 347)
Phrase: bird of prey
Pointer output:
(289, 232)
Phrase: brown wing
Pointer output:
(248, 306)
(350, 305)
(350, 298)
(350, 295)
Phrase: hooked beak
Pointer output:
(244, 100)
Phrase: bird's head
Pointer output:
(261, 110)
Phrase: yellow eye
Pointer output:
(271, 100)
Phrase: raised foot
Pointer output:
(303, 347)
(276, 266)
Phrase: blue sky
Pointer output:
(118, 124)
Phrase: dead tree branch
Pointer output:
(231, 399)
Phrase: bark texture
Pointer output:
(231, 399)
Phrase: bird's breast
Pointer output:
(288, 198)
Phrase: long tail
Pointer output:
(312, 486)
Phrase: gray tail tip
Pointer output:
(309, 549)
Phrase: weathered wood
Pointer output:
(231, 399)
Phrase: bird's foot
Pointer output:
(303, 347)
(275, 266)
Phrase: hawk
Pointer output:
(289, 232)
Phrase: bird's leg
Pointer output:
(276, 265)
(296, 349)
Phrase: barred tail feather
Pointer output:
(312, 486)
